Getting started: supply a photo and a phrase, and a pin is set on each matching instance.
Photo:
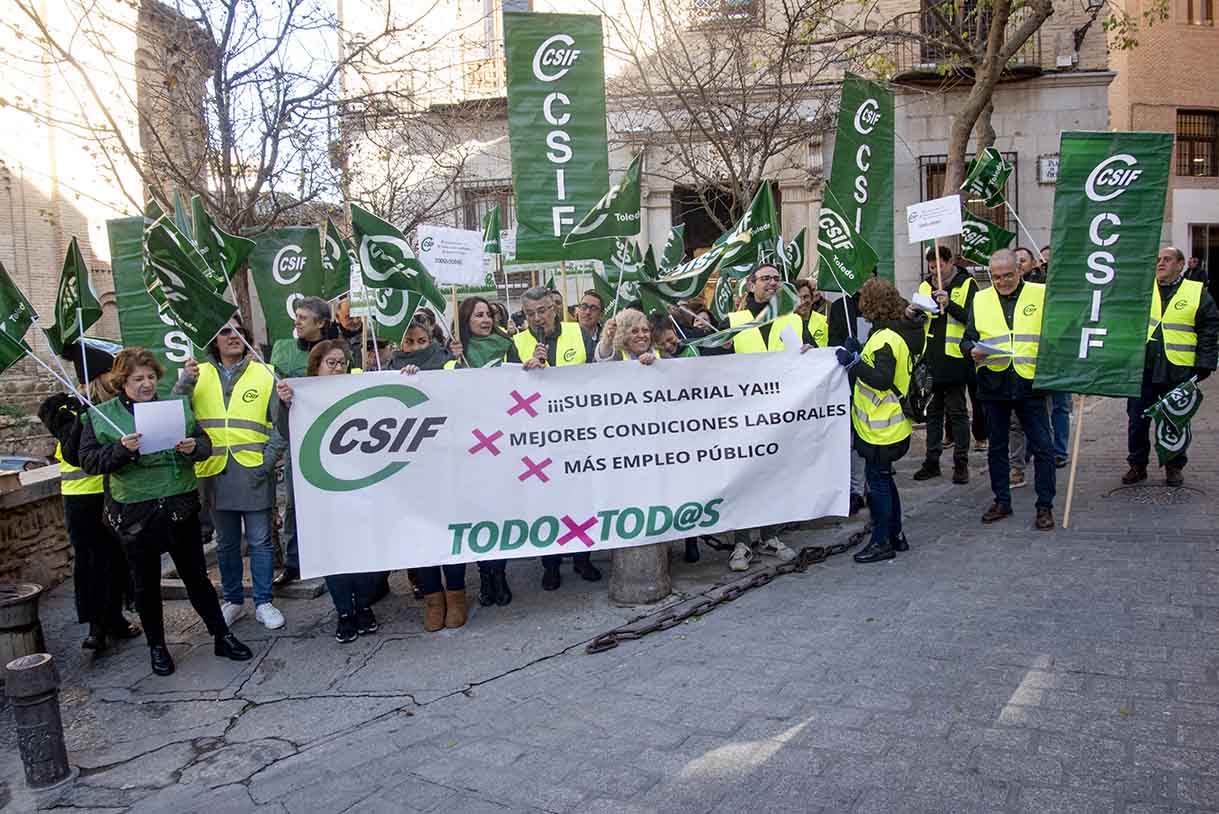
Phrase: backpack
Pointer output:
(918, 394)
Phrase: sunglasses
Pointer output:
(227, 331)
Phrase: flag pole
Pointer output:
(939, 272)
(258, 356)
(1079, 426)
(82, 396)
(499, 261)
(80, 338)
(1033, 247)
(563, 285)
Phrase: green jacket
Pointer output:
(290, 357)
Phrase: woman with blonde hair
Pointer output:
(626, 335)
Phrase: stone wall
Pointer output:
(24, 435)
(33, 541)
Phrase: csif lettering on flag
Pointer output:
(387, 259)
(986, 177)
(980, 238)
(616, 214)
(336, 263)
(1108, 212)
(859, 192)
(286, 266)
(180, 283)
(556, 131)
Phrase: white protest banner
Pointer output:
(395, 471)
(934, 219)
(452, 256)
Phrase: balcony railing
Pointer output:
(929, 49)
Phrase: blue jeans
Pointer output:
(454, 578)
(884, 503)
(287, 533)
(349, 592)
(228, 553)
(1060, 419)
(1033, 418)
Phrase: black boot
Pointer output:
(899, 543)
(96, 640)
(503, 594)
(588, 571)
(550, 578)
(692, 550)
(162, 661)
(928, 471)
(488, 588)
(875, 552)
(227, 646)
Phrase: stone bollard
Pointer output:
(640, 574)
(32, 688)
(20, 629)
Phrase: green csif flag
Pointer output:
(857, 205)
(224, 253)
(616, 214)
(393, 308)
(556, 130)
(387, 260)
(622, 274)
(1172, 415)
(491, 229)
(140, 322)
(790, 257)
(286, 266)
(75, 294)
(980, 238)
(16, 316)
(336, 263)
(1108, 210)
(987, 177)
(185, 291)
(782, 303)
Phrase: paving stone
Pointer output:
(1006, 765)
(1057, 801)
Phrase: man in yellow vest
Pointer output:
(1182, 341)
(549, 341)
(948, 366)
(1002, 338)
(812, 308)
(230, 394)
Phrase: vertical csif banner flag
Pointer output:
(286, 265)
(140, 322)
(1108, 210)
(858, 197)
(556, 130)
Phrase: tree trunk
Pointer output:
(984, 130)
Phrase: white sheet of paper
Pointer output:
(924, 303)
(791, 340)
(933, 219)
(992, 350)
(161, 424)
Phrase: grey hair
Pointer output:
(315, 305)
(537, 293)
(1180, 255)
(1004, 257)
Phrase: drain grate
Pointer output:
(1154, 495)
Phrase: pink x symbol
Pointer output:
(485, 442)
(577, 530)
(534, 469)
(523, 403)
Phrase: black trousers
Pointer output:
(553, 560)
(1138, 428)
(182, 540)
(454, 578)
(948, 399)
(99, 568)
(977, 413)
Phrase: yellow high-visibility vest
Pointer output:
(750, 341)
(877, 416)
(1022, 339)
(75, 481)
(569, 350)
(819, 327)
(954, 329)
(241, 429)
(1180, 336)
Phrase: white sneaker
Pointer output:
(269, 616)
(741, 555)
(232, 612)
(775, 548)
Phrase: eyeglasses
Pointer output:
(334, 364)
(767, 278)
(585, 306)
(539, 312)
(1004, 277)
(227, 331)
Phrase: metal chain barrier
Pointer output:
(705, 602)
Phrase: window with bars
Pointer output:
(1197, 134)
(1200, 12)
(479, 199)
(933, 169)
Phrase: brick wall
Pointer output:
(33, 541)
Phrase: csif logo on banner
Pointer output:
(834, 235)
(867, 116)
(556, 51)
(341, 454)
(286, 268)
(1108, 180)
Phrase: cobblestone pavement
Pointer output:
(990, 669)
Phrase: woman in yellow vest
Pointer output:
(481, 342)
(882, 371)
(99, 568)
(231, 394)
(352, 594)
(153, 504)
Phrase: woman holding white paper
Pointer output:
(153, 503)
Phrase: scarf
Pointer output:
(432, 357)
(486, 351)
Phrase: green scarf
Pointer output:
(486, 351)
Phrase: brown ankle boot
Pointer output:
(433, 612)
(454, 608)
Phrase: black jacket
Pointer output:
(60, 414)
(754, 307)
(880, 376)
(842, 316)
(947, 369)
(992, 386)
(1206, 324)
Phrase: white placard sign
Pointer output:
(161, 424)
(395, 471)
(934, 219)
(452, 256)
